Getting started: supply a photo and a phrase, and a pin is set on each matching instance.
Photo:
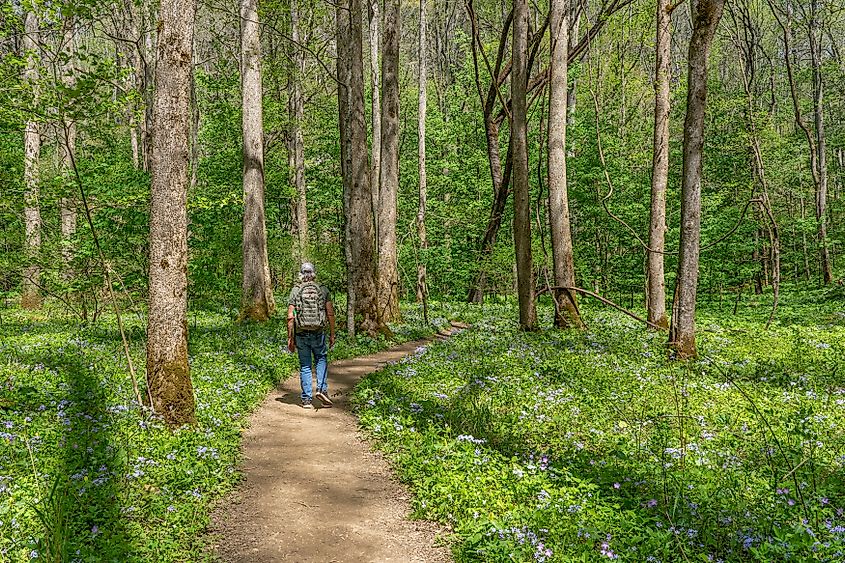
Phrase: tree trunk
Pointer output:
(566, 307)
(168, 372)
(659, 170)
(297, 148)
(375, 80)
(150, 73)
(706, 16)
(388, 266)
(360, 212)
(67, 205)
(422, 287)
(136, 79)
(30, 295)
(344, 78)
(257, 302)
(808, 274)
(821, 141)
(500, 176)
(572, 93)
(521, 196)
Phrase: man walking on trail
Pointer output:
(310, 311)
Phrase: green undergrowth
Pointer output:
(85, 475)
(566, 446)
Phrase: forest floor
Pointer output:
(313, 490)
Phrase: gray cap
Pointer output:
(307, 268)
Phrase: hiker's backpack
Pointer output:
(310, 305)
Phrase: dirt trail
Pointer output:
(313, 491)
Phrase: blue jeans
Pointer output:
(312, 349)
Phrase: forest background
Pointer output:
(95, 67)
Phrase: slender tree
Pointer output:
(422, 287)
(67, 205)
(821, 174)
(30, 294)
(297, 142)
(388, 264)
(566, 306)
(168, 372)
(257, 300)
(706, 16)
(656, 283)
(522, 211)
(500, 173)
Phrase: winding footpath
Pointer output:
(314, 491)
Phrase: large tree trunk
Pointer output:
(375, 82)
(521, 195)
(659, 170)
(344, 77)
(168, 372)
(821, 141)
(297, 148)
(30, 295)
(388, 266)
(360, 212)
(422, 286)
(257, 301)
(566, 307)
(706, 16)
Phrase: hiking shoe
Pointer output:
(306, 404)
(324, 398)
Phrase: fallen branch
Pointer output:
(606, 301)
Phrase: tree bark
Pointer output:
(297, 148)
(360, 212)
(149, 80)
(67, 205)
(566, 306)
(659, 169)
(521, 196)
(422, 286)
(30, 294)
(257, 303)
(706, 16)
(168, 372)
(343, 94)
(375, 80)
(388, 266)
(572, 93)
